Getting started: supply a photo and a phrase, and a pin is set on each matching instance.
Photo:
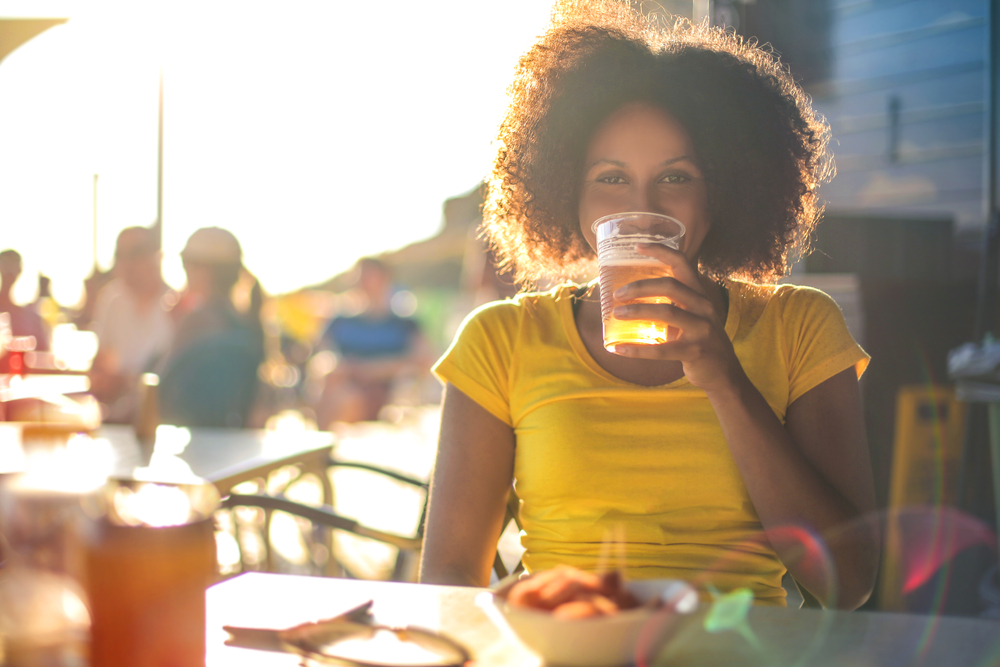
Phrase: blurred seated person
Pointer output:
(374, 349)
(22, 321)
(208, 377)
(132, 322)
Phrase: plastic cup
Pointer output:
(620, 264)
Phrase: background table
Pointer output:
(226, 457)
(785, 636)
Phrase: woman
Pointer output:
(209, 376)
(708, 457)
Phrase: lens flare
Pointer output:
(932, 537)
(729, 611)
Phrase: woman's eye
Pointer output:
(675, 178)
(611, 179)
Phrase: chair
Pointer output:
(249, 519)
(316, 525)
(407, 560)
(211, 384)
(510, 514)
(321, 520)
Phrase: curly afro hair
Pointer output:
(762, 148)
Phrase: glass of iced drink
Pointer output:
(620, 264)
(150, 557)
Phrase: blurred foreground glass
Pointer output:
(620, 264)
(150, 555)
(45, 480)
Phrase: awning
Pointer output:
(16, 31)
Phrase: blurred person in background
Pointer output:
(45, 304)
(23, 321)
(208, 377)
(375, 349)
(213, 264)
(92, 286)
(132, 322)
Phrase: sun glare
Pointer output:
(315, 131)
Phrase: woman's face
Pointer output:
(641, 159)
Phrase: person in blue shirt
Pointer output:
(374, 348)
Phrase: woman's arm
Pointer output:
(472, 476)
(811, 472)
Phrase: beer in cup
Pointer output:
(620, 264)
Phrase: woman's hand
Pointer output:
(702, 346)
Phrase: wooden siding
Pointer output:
(906, 105)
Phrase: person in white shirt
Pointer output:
(132, 322)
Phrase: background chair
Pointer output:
(257, 511)
(269, 531)
(249, 520)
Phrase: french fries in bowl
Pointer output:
(581, 619)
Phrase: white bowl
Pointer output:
(631, 636)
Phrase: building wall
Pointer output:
(906, 103)
(903, 85)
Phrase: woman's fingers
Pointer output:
(691, 324)
(672, 351)
(680, 267)
(667, 288)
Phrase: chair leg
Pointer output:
(499, 567)
(268, 551)
(332, 567)
(236, 536)
(405, 567)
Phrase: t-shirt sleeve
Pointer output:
(820, 345)
(479, 359)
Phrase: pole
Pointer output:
(158, 225)
(96, 269)
(700, 10)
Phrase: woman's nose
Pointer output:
(647, 200)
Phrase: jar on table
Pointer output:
(150, 557)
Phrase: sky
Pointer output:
(317, 132)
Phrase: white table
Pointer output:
(786, 636)
(225, 457)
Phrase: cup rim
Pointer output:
(625, 214)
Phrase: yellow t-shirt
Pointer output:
(601, 459)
